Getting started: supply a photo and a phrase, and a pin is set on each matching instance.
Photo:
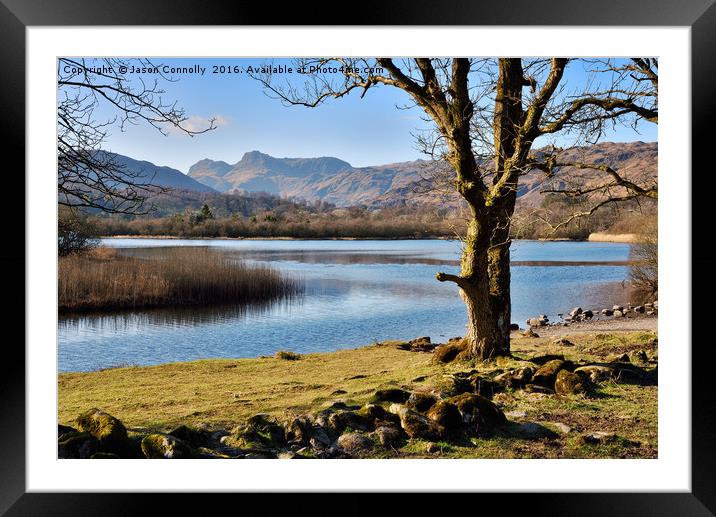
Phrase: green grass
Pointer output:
(224, 392)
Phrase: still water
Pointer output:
(356, 293)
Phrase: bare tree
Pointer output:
(487, 114)
(94, 96)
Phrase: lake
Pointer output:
(356, 293)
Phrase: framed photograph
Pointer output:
(437, 271)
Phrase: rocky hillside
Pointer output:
(145, 172)
(336, 181)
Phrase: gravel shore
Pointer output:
(630, 324)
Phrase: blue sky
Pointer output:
(368, 131)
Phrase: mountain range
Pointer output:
(336, 181)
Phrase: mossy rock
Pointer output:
(191, 436)
(390, 395)
(269, 432)
(108, 430)
(299, 430)
(378, 415)
(568, 383)
(597, 373)
(248, 437)
(389, 436)
(77, 445)
(448, 353)
(164, 446)
(416, 425)
(339, 422)
(421, 402)
(479, 413)
(483, 386)
(447, 416)
(517, 378)
(546, 375)
(638, 357)
(355, 443)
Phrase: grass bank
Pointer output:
(102, 279)
(223, 393)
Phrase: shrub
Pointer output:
(287, 356)
(75, 234)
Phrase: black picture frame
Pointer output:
(699, 15)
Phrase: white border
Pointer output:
(671, 471)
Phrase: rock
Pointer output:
(390, 395)
(618, 314)
(218, 435)
(530, 333)
(104, 456)
(448, 353)
(514, 327)
(416, 425)
(639, 309)
(421, 402)
(478, 413)
(289, 455)
(597, 373)
(607, 312)
(535, 388)
(270, 433)
(64, 429)
(77, 445)
(587, 315)
(193, 437)
(568, 383)
(516, 414)
(354, 443)
(638, 357)
(320, 438)
(389, 436)
(533, 430)
(299, 430)
(484, 387)
(260, 455)
(575, 312)
(618, 308)
(517, 378)
(547, 373)
(108, 430)
(423, 339)
(536, 322)
(339, 422)
(447, 417)
(600, 437)
(562, 342)
(623, 358)
(378, 416)
(164, 446)
(562, 428)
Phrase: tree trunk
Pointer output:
(486, 293)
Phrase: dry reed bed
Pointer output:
(105, 279)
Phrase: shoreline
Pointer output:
(617, 238)
(207, 407)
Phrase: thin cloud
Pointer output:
(197, 123)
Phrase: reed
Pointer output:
(104, 279)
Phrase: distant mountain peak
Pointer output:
(336, 181)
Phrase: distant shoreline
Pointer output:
(627, 238)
